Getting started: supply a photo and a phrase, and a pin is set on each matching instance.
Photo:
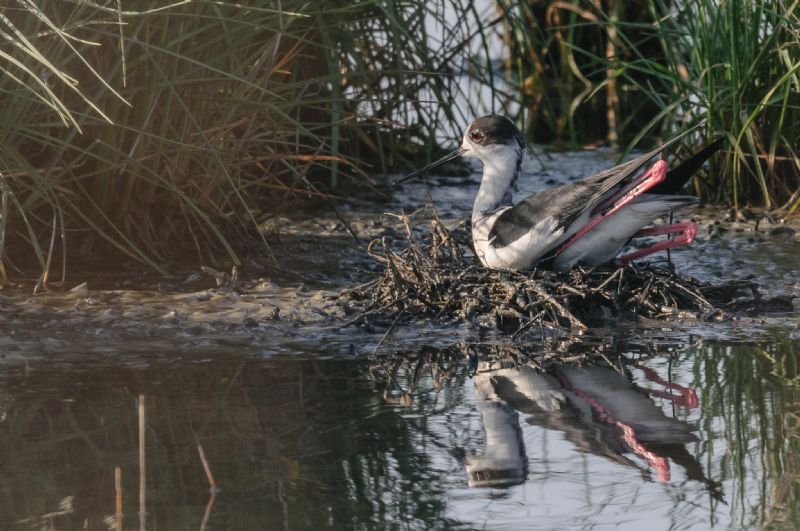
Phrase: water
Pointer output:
(307, 443)
(120, 407)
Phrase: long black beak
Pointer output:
(447, 158)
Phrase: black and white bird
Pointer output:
(586, 222)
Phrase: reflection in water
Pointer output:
(292, 444)
(309, 444)
(598, 409)
(752, 405)
(504, 461)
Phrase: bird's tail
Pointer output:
(678, 176)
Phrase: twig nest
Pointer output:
(438, 277)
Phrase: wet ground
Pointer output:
(121, 405)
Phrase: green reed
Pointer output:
(646, 68)
(175, 131)
(162, 132)
(736, 64)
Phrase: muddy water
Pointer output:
(120, 407)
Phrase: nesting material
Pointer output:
(437, 277)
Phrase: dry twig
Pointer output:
(436, 276)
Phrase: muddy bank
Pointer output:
(298, 312)
(285, 299)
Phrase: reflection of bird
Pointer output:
(584, 222)
(504, 462)
(597, 408)
(614, 400)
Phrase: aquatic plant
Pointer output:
(178, 130)
(735, 64)
(181, 128)
(652, 66)
(557, 54)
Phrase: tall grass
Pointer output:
(653, 66)
(557, 54)
(172, 132)
(736, 64)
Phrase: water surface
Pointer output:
(302, 443)
(188, 406)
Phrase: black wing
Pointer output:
(559, 203)
(677, 177)
(565, 203)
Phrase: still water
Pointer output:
(187, 407)
(699, 437)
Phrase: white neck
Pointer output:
(499, 178)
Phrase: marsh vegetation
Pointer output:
(161, 131)
(226, 388)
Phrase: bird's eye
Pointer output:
(476, 136)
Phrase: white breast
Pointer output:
(519, 254)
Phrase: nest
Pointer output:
(436, 276)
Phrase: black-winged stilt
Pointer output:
(586, 222)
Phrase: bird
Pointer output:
(586, 222)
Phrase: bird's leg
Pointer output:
(687, 395)
(616, 202)
(685, 235)
(637, 187)
(669, 255)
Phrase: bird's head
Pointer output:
(490, 139)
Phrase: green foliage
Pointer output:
(158, 131)
(173, 130)
(736, 64)
(557, 64)
(654, 66)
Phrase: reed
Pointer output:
(735, 64)
(175, 131)
(558, 55)
(626, 72)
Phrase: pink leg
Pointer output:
(685, 235)
(656, 174)
(688, 396)
(616, 202)
(660, 463)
